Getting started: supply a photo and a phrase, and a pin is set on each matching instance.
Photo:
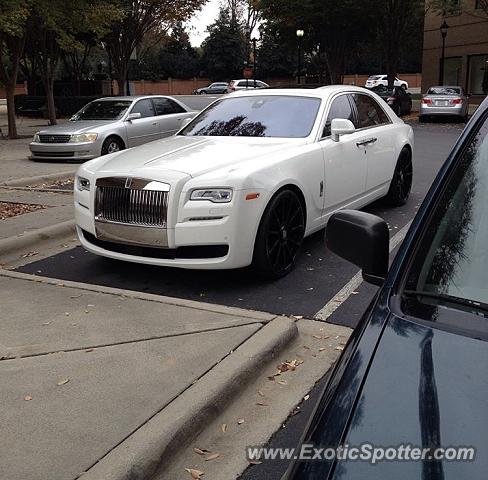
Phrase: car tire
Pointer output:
(404, 86)
(203, 92)
(112, 145)
(401, 183)
(398, 111)
(280, 235)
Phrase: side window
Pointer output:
(369, 112)
(144, 107)
(340, 108)
(242, 83)
(165, 106)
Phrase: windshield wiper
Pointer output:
(466, 303)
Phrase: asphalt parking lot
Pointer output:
(319, 274)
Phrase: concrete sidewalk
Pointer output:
(82, 370)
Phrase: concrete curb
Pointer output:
(10, 245)
(146, 450)
(179, 302)
(25, 181)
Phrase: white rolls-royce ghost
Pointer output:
(245, 180)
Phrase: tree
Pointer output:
(13, 18)
(223, 54)
(332, 29)
(394, 17)
(141, 18)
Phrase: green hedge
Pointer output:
(65, 106)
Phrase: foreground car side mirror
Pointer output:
(362, 239)
(341, 126)
(133, 116)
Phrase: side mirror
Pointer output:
(362, 239)
(133, 116)
(341, 126)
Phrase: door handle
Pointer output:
(366, 142)
(155, 123)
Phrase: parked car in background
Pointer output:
(398, 98)
(375, 80)
(230, 189)
(110, 124)
(444, 102)
(413, 373)
(216, 87)
(246, 84)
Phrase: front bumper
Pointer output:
(205, 235)
(64, 151)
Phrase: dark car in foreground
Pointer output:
(398, 98)
(414, 372)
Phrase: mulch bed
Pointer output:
(10, 209)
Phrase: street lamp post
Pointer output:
(443, 29)
(299, 66)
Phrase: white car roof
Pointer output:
(321, 92)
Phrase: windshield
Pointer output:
(374, 77)
(257, 116)
(444, 91)
(103, 110)
(452, 260)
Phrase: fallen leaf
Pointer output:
(195, 474)
(63, 382)
(282, 382)
(30, 254)
(260, 393)
(317, 336)
(212, 457)
(306, 347)
(255, 462)
(27, 398)
(321, 349)
(306, 397)
(240, 421)
(66, 313)
(223, 427)
(76, 296)
(90, 305)
(295, 411)
(46, 323)
(262, 404)
(89, 350)
(201, 451)
(339, 348)
(298, 317)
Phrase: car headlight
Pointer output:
(83, 183)
(36, 138)
(83, 137)
(215, 195)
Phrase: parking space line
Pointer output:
(345, 292)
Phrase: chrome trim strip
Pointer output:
(131, 234)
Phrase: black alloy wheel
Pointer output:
(401, 183)
(279, 236)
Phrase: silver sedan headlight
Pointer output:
(82, 183)
(215, 195)
(83, 137)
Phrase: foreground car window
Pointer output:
(451, 265)
(103, 110)
(257, 116)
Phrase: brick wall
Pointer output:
(19, 90)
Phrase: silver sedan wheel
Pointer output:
(113, 146)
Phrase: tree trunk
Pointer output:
(121, 78)
(12, 126)
(51, 108)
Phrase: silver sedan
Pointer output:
(107, 125)
(449, 101)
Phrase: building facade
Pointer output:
(466, 47)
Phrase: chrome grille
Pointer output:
(140, 203)
(45, 138)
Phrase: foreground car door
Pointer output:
(170, 116)
(345, 160)
(144, 129)
(379, 134)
